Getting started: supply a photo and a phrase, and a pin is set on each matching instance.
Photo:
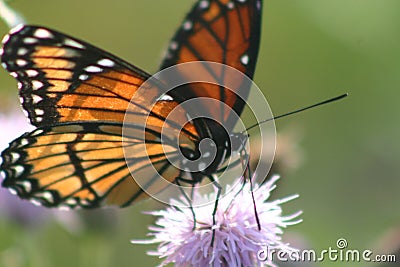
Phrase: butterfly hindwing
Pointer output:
(82, 165)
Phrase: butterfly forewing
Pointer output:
(222, 31)
(62, 79)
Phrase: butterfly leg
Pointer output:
(192, 191)
(219, 190)
(178, 181)
(249, 177)
(243, 181)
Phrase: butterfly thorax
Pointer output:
(211, 150)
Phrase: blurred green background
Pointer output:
(348, 179)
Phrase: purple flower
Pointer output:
(14, 124)
(26, 214)
(237, 238)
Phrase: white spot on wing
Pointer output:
(4, 65)
(1, 51)
(18, 169)
(93, 69)
(71, 201)
(22, 51)
(187, 25)
(5, 38)
(42, 33)
(46, 196)
(32, 73)
(24, 142)
(85, 202)
(230, 5)
(37, 85)
(36, 99)
(83, 77)
(35, 202)
(73, 43)
(244, 59)
(39, 112)
(26, 185)
(106, 62)
(258, 5)
(38, 119)
(19, 85)
(30, 40)
(12, 191)
(204, 4)
(14, 157)
(173, 45)
(37, 132)
(14, 74)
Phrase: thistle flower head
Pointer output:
(237, 237)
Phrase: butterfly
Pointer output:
(79, 98)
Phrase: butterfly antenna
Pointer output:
(299, 110)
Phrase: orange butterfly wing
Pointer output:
(78, 95)
(63, 79)
(222, 31)
(82, 164)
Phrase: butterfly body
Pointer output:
(216, 146)
(106, 136)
